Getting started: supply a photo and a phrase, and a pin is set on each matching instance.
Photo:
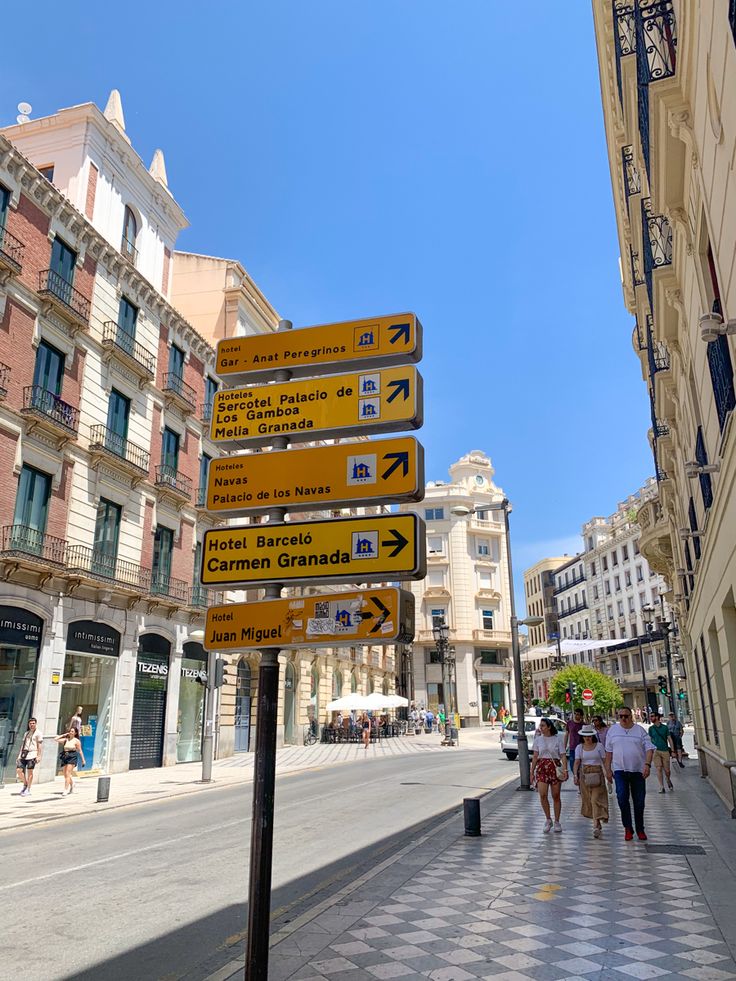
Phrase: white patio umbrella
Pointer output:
(376, 700)
(347, 703)
(396, 701)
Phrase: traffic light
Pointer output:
(220, 672)
(574, 689)
(662, 682)
(681, 693)
(567, 697)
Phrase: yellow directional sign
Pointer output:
(370, 616)
(380, 341)
(343, 475)
(365, 549)
(384, 401)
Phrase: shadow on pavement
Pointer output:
(198, 949)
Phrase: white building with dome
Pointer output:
(467, 584)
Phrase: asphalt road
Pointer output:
(157, 891)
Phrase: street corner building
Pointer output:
(107, 383)
(668, 74)
(467, 587)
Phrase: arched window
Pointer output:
(353, 683)
(130, 234)
(336, 684)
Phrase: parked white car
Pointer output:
(510, 734)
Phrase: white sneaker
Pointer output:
(65, 792)
(24, 792)
(547, 826)
(557, 827)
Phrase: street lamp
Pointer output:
(665, 626)
(208, 742)
(462, 511)
(647, 615)
(441, 634)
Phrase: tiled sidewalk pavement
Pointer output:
(516, 904)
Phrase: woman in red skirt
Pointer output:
(549, 770)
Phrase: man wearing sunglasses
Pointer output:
(629, 752)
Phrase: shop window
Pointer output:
(20, 640)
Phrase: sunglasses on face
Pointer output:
(626, 716)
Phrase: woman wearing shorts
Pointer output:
(71, 752)
(549, 770)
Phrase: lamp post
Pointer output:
(647, 613)
(441, 634)
(522, 742)
(665, 626)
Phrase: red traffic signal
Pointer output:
(567, 697)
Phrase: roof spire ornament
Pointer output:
(158, 168)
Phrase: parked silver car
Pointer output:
(510, 734)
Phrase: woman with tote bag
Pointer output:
(590, 773)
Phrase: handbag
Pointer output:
(559, 770)
(592, 778)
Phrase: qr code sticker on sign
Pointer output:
(322, 610)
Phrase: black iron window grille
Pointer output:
(721, 376)
(693, 519)
(11, 249)
(732, 18)
(632, 180)
(701, 456)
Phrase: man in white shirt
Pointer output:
(629, 752)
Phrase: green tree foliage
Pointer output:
(607, 694)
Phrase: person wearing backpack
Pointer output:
(589, 770)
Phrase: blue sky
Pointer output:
(371, 156)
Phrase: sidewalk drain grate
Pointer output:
(676, 849)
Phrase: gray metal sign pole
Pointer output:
(264, 779)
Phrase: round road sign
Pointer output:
(587, 694)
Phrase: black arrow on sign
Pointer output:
(398, 543)
(400, 460)
(385, 614)
(400, 387)
(402, 331)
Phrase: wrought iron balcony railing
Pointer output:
(60, 291)
(624, 34)
(656, 244)
(200, 597)
(129, 250)
(568, 585)
(11, 251)
(632, 180)
(174, 384)
(660, 429)
(98, 564)
(171, 479)
(126, 344)
(4, 378)
(162, 585)
(721, 376)
(206, 410)
(104, 438)
(22, 540)
(656, 47)
(578, 608)
(40, 402)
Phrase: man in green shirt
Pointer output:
(661, 738)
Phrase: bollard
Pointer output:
(103, 789)
(471, 811)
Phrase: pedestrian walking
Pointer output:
(590, 773)
(71, 751)
(572, 734)
(492, 716)
(441, 719)
(659, 733)
(366, 726)
(429, 720)
(502, 713)
(676, 732)
(549, 770)
(601, 729)
(31, 751)
(629, 754)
